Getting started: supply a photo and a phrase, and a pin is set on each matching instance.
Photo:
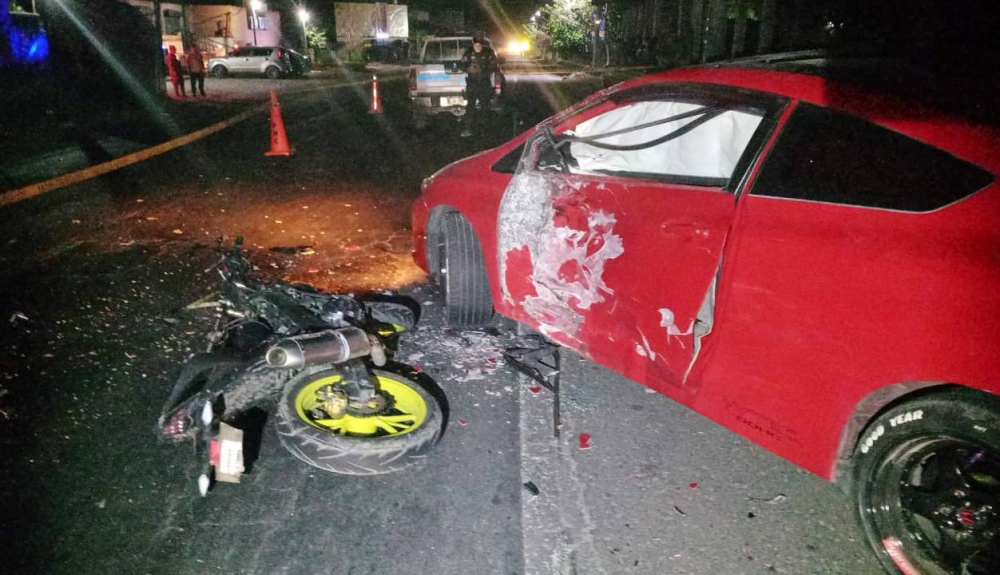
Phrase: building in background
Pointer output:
(372, 31)
(217, 27)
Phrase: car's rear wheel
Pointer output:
(273, 72)
(927, 485)
(220, 71)
(461, 273)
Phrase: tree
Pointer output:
(568, 24)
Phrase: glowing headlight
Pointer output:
(517, 47)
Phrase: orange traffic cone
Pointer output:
(279, 139)
(376, 99)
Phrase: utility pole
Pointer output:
(6, 24)
(697, 27)
(159, 86)
(768, 13)
(715, 42)
(739, 29)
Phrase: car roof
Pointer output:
(841, 86)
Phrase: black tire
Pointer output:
(926, 485)
(461, 274)
(220, 71)
(273, 72)
(356, 454)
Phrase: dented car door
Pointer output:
(612, 232)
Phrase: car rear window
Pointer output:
(440, 51)
(827, 156)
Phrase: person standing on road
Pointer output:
(479, 63)
(175, 71)
(196, 68)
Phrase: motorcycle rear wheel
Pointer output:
(396, 437)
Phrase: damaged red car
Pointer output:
(810, 263)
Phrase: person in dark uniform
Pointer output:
(479, 63)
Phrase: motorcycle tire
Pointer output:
(391, 440)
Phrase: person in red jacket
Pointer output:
(175, 71)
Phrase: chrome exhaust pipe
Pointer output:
(333, 346)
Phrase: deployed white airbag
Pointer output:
(708, 151)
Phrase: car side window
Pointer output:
(828, 156)
(674, 140)
(261, 52)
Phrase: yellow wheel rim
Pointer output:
(396, 328)
(408, 412)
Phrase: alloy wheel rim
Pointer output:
(407, 410)
(933, 506)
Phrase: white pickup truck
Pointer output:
(437, 81)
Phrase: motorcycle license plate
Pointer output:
(453, 101)
(226, 454)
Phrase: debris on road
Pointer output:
(772, 501)
(584, 441)
(693, 485)
(531, 487)
(294, 250)
(17, 317)
(678, 510)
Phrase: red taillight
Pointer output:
(176, 426)
(413, 80)
(496, 81)
(281, 53)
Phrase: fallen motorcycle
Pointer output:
(325, 359)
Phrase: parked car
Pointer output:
(271, 61)
(300, 64)
(813, 264)
(437, 80)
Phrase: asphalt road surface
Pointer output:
(93, 275)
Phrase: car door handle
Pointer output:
(682, 229)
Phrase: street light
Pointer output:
(304, 18)
(255, 5)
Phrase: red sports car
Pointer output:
(810, 263)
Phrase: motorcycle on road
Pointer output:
(325, 360)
